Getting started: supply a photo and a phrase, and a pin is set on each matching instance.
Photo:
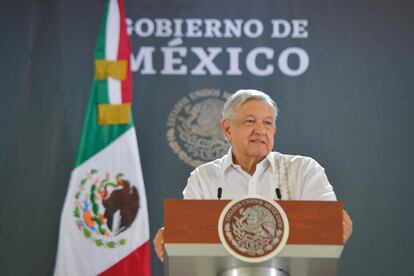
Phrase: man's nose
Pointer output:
(260, 128)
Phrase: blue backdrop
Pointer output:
(340, 71)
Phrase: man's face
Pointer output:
(251, 130)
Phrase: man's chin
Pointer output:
(259, 153)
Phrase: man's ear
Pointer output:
(225, 128)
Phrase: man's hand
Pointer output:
(347, 225)
(159, 244)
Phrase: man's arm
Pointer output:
(193, 188)
(159, 244)
(191, 191)
(347, 225)
(316, 186)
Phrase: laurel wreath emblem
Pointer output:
(89, 211)
(193, 127)
(253, 229)
(254, 232)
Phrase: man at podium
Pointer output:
(251, 168)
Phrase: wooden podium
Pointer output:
(193, 246)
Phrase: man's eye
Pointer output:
(249, 121)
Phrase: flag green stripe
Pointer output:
(102, 95)
(95, 137)
(102, 85)
(100, 44)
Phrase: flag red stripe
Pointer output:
(124, 52)
(136, 263)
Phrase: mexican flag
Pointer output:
(104, 227)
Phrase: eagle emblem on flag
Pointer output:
(104, 207)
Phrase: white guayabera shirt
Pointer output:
(297, 177)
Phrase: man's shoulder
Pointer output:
(211, 166)
(294, 159)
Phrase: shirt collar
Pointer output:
(228, 161)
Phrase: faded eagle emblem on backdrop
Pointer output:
(193, 127)
(105, 207)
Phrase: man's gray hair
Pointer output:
(244, 95)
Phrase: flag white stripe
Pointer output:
(111, 49)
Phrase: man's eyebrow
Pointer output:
(245, 116)
(251, 115)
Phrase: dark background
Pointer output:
(351, 110)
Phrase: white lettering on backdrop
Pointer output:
(178, 59)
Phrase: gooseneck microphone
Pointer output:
(219, 191)
(278, 194)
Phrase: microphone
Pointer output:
(278, 193)
(219, 191)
